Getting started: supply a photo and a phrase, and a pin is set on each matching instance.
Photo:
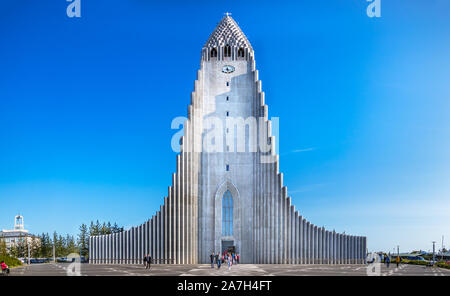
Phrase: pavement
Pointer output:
(63, 269)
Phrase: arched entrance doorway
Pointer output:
(227, 219)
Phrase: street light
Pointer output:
(433, 252)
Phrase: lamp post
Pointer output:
(29, 252)
(434, 243)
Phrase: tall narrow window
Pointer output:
(214, 53)
(241, 52)
(227, 51)
(227, 214)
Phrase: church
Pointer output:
(227, 194)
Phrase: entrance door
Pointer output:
(228, 246)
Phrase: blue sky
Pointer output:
(364, 106)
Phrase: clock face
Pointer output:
(228, 69)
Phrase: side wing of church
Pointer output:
(227, 194)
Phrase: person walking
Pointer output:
(397, 260)
(387, 261)
(145, 261)
(218, 260)
(149, 261)
(212, 257)
(237, 258)
(229, 261)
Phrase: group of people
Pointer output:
(147, 261)
(228, 258)
(5, 268)
(387, 260)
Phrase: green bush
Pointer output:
(416, 262)
(443, 265)
(11, 261)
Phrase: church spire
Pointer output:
(228, 32)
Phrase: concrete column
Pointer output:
(164, 223)
(354, 249)
(154, 237)
(158, 240)
(129, 250)
(300, 239)
(338, 248)
(110, 253)
(119, 248)
(105, 249)
(161, 235)
(320, 244)
(141, 244)
(124, 247)
(332, 258)
(297, 238)
(113, 248)
(108, 248)
(130, 246)
(359, 251)
(92, 246)
(315, 244)
(311, 243)
(122, 239)
(306, 242)
(99, 248)
(347, 248)
(137, 259)
(170, 224)
(135, 244)
(328, 247)
(102, 249)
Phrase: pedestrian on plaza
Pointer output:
(145, 261)
(218, 260)
(149, 262)
(229, 261)
(237, 258)
(397, 260)
(212, 257)
(387, 261)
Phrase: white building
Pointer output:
(227, 192)
(17, 235)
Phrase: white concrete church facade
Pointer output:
(227, 192)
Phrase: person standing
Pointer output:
(397, 260)
(237, 258)
(387, 261)
(212, 257)
(229, 261)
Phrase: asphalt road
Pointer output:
(62, 269)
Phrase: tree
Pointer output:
(3, 249)
(83, 240)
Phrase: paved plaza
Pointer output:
(60, 269)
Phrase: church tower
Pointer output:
(227, 193)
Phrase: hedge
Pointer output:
(11, 261)
(443, 265)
